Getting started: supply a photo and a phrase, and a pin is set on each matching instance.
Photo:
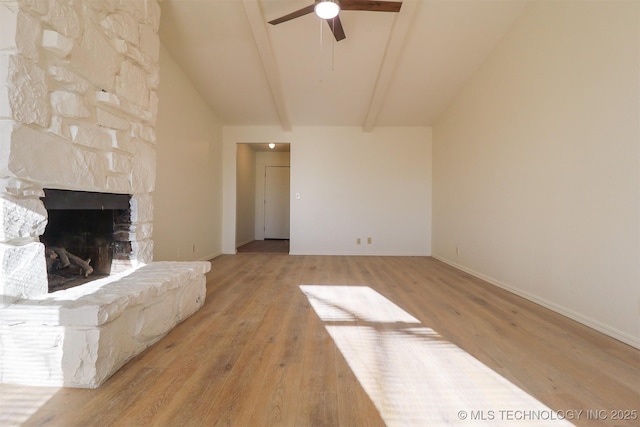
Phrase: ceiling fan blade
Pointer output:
(293, 15)
(336, 28)
(370, 5)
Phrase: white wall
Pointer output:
(536, 165)
(264, 159)
(189, 180)
(352, 184)
(245, 194)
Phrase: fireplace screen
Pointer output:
(85, 233)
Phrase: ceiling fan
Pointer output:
(333, 7)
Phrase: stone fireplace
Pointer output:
(87, 236)
(78, 106)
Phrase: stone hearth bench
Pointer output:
(79, 337)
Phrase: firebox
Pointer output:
(86, 233)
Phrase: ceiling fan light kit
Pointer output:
(327, 9)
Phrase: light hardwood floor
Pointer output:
(365, 341)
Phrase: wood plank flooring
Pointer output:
(259, 354)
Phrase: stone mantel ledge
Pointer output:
(102, 300)
(79, 337)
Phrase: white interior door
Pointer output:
(276, 202)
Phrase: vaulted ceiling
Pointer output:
(393, 69)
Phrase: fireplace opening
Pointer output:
(86, 234)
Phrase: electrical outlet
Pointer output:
(358, 241)
(457, 250)
(179, 253)
(369, 240)
(194, 248)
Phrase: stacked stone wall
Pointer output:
(78, 106)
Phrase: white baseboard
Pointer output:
(212, 256)
(578, 317)
(344, 253)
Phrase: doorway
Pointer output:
(262, 174)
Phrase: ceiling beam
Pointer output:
(390, 61)
(263, 44)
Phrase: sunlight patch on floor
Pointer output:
(412, 374)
